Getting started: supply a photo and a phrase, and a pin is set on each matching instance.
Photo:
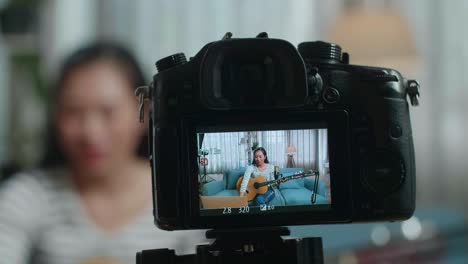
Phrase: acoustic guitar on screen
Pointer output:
(259, 185)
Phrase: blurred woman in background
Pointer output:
(93, 203)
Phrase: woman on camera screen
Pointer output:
(93, 202)
(260, 167)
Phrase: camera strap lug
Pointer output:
(228, 35)
(262, 35)
(413, 92)
(143, 94)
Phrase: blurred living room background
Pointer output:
(424, 39)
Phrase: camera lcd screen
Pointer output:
(263, 171)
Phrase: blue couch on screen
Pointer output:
(293, 192)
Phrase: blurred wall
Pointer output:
(65, 26)
(448, 84)
(4, 101)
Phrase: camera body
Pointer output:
(262, 84)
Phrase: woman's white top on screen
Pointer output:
(268, 173)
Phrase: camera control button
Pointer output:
(396, 131)
(383, 172)
(331, 95)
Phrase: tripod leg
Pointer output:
(162, 256)
(310, 250)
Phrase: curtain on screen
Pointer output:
(229, 151)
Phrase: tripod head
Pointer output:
(259, 245)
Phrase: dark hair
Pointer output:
(264, 153)
(82, 57)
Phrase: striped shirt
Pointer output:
(42, 222)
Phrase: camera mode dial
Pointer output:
(320, 51)
(170, 61)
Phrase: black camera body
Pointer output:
(265, 84)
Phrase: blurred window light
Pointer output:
(411, 228)
(380, 235)
(68, 25)
(376, 37)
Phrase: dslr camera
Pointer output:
(337, 135)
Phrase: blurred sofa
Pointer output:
(293, 192)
